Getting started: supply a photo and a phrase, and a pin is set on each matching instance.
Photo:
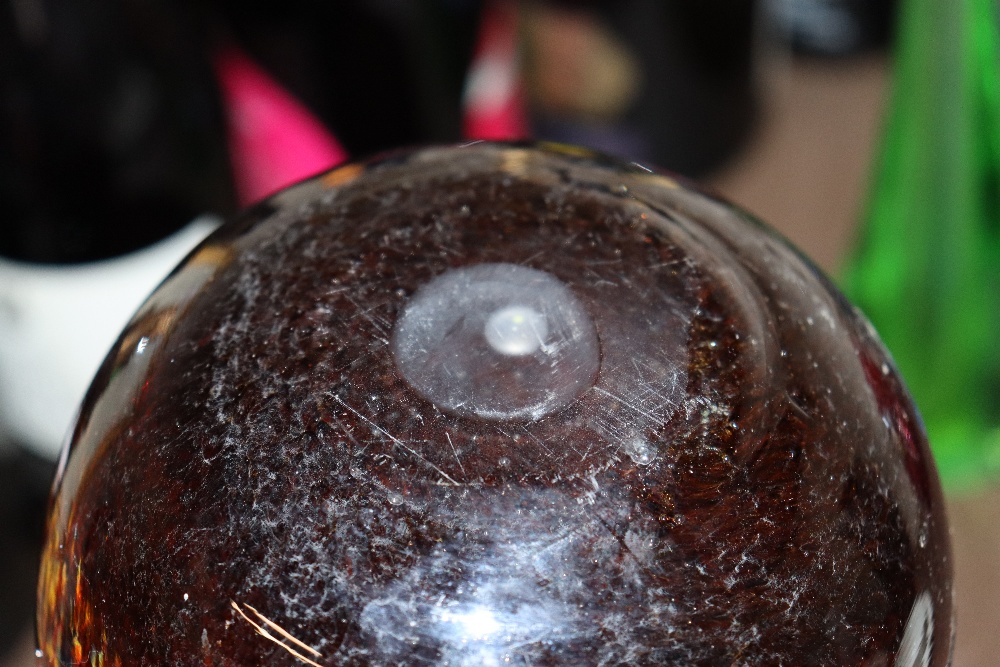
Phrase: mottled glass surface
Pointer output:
(496, 405)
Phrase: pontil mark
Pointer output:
(496, 341)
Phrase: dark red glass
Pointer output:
(497, 405)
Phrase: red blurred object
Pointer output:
(494, 104)
(274, 140)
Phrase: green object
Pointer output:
(927, 269)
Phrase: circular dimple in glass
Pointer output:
(497, 341)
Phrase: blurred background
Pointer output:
(866, 131)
